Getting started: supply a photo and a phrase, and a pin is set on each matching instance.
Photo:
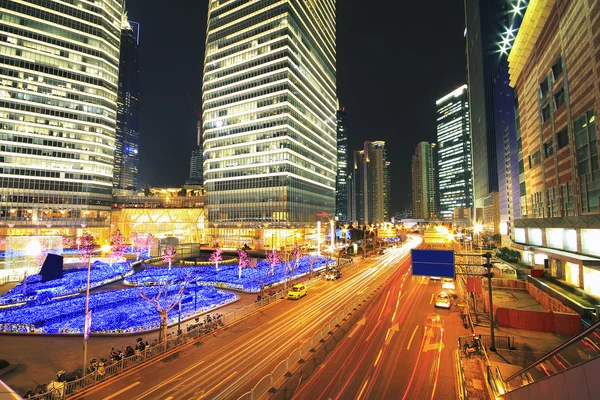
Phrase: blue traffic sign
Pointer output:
(433, 263)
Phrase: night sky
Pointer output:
(395, 58)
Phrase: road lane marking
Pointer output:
(372, 332)
(431, 301)
(378, 356)
(170, 398)
(121, 391)
(362, 390)
(392, 330)
(219, 384)
(412, 337)
(176, 377)
(360, 323)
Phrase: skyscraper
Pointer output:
(371, 182)
(197, 161)
(484, 24)
(341, 187)
(454, 183)
(269, 102)
(423, 182)
(128, 132)
(59, 70)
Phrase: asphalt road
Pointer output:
(388, 354)
(229, 362)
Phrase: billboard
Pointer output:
(433, 263)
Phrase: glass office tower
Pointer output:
(455, 184)
(59, 67)
(341, 196)
(269, 112)
(128, 110)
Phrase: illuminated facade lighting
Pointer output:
(58, 89)
(454, 153)
(269, 108)
(341, 185)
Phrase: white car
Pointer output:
(448, 284)
(442, 300)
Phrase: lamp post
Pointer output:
(488, 265)
(332, 223)
(319, 237)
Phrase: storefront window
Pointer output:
(572, 273)
(591, 281)
(554, 237)
(520, 235)
(535, 236)
(590, 240)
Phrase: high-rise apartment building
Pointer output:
(341, 186)
(454, 169)
(197, 161)
(423, 182)
(59, 71)
(128, 131)
(555, 73)
(269, 112)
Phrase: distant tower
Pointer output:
(454, 172)
(197, 161)
(371, 184)
(125, 172)
(341, 187)
(423, 182)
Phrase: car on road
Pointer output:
(433, 322)
(333, 274)
(442, 300)
(297, 291)
(448, 284)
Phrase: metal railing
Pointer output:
(62, 390)
(501, 342)
(577, 350)
(285, 366)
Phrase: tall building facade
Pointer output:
(506, 145)
(197, 161)
(454, 172)
(423, 182)
(341, 186)
(59, 71)
(127, 138)
(555, 69)
(484, 23)
(370, 200)
(269, 108)
(358, 195)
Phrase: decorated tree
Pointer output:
(87, 246)
(311, 262)
(273, 259)
(243, 261)
(216, 256)
(169, 254)
(291, 267)
(260, 275)
(117, 245)
(141, 243)
(168, 296)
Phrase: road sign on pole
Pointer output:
(439, 263)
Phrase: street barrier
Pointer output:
(68, 389)
(284, 368)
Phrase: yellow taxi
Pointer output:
(297, 291)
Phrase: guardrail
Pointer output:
(62, 390)
(266, 383)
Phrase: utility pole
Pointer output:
(488, 265)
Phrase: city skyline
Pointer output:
(363, 101)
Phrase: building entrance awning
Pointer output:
(565, 255)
